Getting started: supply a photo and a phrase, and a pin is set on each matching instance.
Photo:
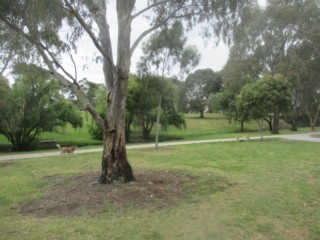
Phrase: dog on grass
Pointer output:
(67, 150)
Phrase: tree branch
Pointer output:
(160, 22)
(74, 87)
(72, 11)
(6, 63)
(148, 8)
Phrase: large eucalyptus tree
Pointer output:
(53, 29)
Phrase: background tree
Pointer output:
(33, 105)
(265, 96)
(149, 90)
(228, 103)
(41, 22)
(198, 87)
(166, 50)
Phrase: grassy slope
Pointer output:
(272, 193)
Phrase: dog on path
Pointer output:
(67, 150)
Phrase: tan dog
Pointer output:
(68, 150)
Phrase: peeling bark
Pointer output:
(115, 165)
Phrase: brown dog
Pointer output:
(68, 150)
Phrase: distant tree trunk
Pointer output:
(260, 123)
(293, 119)
(145, 128)
(128, 126)
(269, 121)
(276, 122)
(241, 126)
(201, 113)
(313, 119)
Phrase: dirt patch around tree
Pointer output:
(81, 194)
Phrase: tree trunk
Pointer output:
(201, 113)
(260, 123)
(313, 120)
(115, 165)
(241, 126)
(269, 121)
(276, 122)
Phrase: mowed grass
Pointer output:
(259, 190)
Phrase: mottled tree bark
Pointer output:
(115, 165)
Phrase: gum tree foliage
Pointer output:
(12, 49)
(197, 89)
(33, 105)
(166, 51)
(53, 28)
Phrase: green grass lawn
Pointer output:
(257, 190)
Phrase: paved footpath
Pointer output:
(299, 137)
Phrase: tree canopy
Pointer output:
(268, 95)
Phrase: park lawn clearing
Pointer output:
(235, 190)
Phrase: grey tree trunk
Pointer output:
(115, 165)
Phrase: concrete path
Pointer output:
(299, 137)
(307, 137)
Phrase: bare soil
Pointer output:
(81, 194)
